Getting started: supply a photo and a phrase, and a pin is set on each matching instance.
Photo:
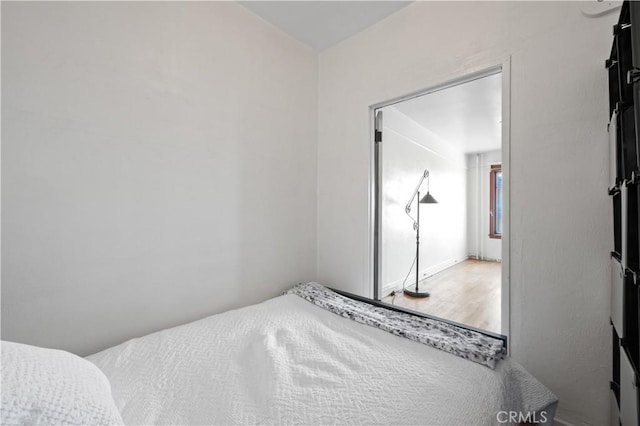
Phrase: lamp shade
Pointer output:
(428, 199)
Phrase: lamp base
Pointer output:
(411, 291)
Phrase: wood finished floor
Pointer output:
(468, 293)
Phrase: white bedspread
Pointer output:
(286, 361)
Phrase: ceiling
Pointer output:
(469, 115)
(322, 24)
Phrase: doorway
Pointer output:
(441, 201)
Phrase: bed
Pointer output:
(291, 360)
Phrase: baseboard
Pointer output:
(424, 273)
(560, 422)
(486, 259)
(568, 418)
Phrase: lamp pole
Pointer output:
(418, 243)
(427, 199)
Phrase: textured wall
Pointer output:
(560, 224)
(158, 165)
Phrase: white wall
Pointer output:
(560, 226)
(478, 205)
(407, 150)
(159, 165)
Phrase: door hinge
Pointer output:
(378, 127)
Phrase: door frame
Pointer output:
(377, 151)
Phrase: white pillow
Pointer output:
(52, 387)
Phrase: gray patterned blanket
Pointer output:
(459, 341)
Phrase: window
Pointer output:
(495, 202)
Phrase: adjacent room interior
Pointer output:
(441, 202)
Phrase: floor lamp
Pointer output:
(427, 199)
